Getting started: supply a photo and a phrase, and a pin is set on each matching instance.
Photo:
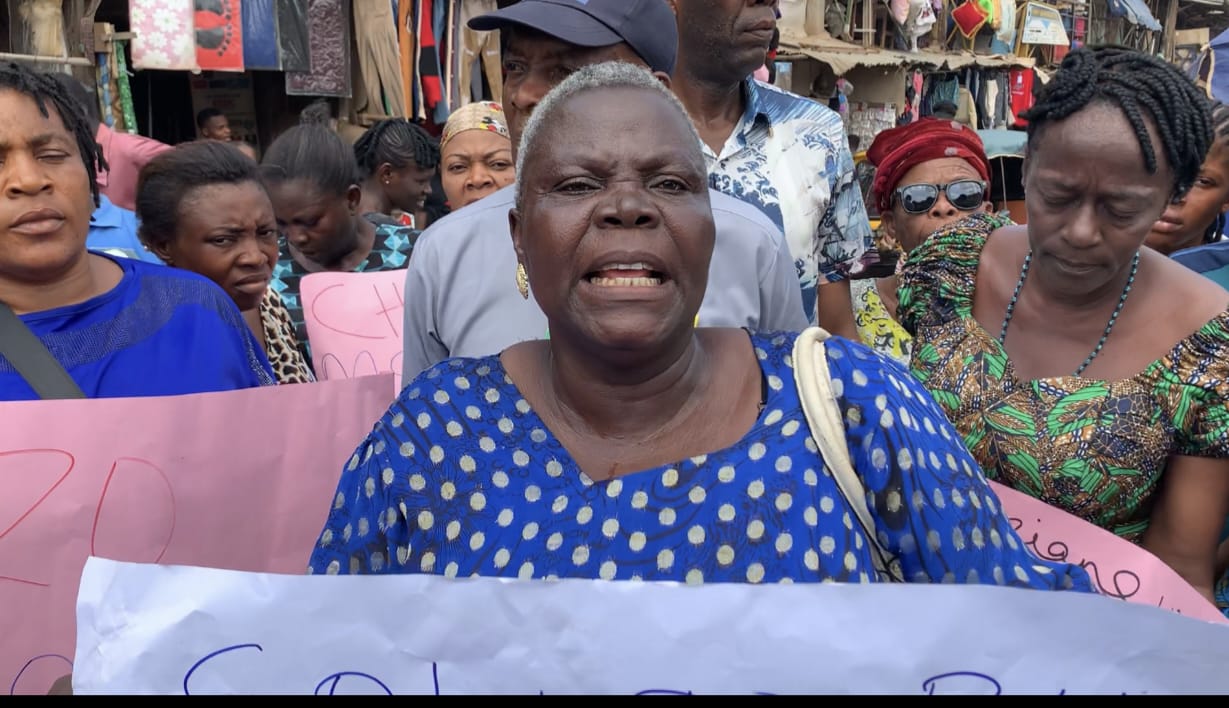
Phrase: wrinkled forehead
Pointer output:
(608, 123)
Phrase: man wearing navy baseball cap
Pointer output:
(544, 33)
(461, 296)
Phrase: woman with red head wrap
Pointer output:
(928, 174)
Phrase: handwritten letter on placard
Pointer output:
(238, 480)
(426, 634)
(354, 323)
(1118, 568)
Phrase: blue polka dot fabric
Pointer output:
(462, 478)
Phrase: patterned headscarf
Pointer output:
(482, 115)
(898, 150)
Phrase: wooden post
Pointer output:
(1171, 27)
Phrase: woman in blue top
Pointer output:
(633, 446)
(120, 327)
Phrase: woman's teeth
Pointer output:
(625, 282)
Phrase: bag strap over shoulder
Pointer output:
(823, 413)
(38, 366)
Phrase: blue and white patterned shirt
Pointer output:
(789, 156)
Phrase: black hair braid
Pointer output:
(1146, 89)
(398, 142)
(366, 146)
(1220, 118)
(44, 89)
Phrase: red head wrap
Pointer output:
(898, 150)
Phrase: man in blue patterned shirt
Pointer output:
(785, 154)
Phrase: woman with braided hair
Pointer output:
(1198, 218)
(1059, 349)
(398, 160)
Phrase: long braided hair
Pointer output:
(1144, 88)
(398, 142)
(45, 89)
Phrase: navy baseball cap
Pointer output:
(647, 26)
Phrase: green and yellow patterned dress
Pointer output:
(1094, 448)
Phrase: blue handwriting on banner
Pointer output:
(344, 682)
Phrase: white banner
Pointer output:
(173, 629)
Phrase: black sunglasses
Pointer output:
(965, 195)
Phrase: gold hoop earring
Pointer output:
(522, 280)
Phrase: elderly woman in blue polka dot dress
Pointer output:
(631, 445)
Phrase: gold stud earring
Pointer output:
(522, 280)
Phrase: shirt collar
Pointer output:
(755, 115)
(757, 108)
(107, 215)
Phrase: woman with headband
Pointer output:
(476, 154)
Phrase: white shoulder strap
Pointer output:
(823, 413)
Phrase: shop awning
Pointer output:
(1136, 12)
(843, 56)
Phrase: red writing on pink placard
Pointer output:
(240, 480)
(354, 323)
(1118, 568)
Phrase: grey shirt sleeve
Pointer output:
(422, 345)
(780, 293)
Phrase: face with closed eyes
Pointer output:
(616, 234)
(1091, 200)
(46, 205)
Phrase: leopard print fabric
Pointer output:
(281, 344)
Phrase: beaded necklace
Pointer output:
(1122, 300)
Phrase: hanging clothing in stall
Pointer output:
(1021, 94)
(992, 101)
(219, 35)
(260, 35)
(403, 9)
(477, 48)
(293, 44)
(379, 63)
(328, 23)
(439, 29)
(163, 32)
(428, 59)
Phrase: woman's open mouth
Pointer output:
(626, 275)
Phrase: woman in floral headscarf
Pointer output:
(928, 174)
(476, 153)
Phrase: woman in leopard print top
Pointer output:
(236, 247)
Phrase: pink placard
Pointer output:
(240, 480)
(1118, 568)
(354, 323)
(165, 34)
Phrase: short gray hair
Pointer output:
(606, 75)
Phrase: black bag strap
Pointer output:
(38, 366)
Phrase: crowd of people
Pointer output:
(599, 374)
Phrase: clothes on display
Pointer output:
(984, 98)
(292, 36)
(328, 25)
(445, 64)
(219, 35)
(478, 50)
(260, 46)
(379, 60)
(163, 34)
